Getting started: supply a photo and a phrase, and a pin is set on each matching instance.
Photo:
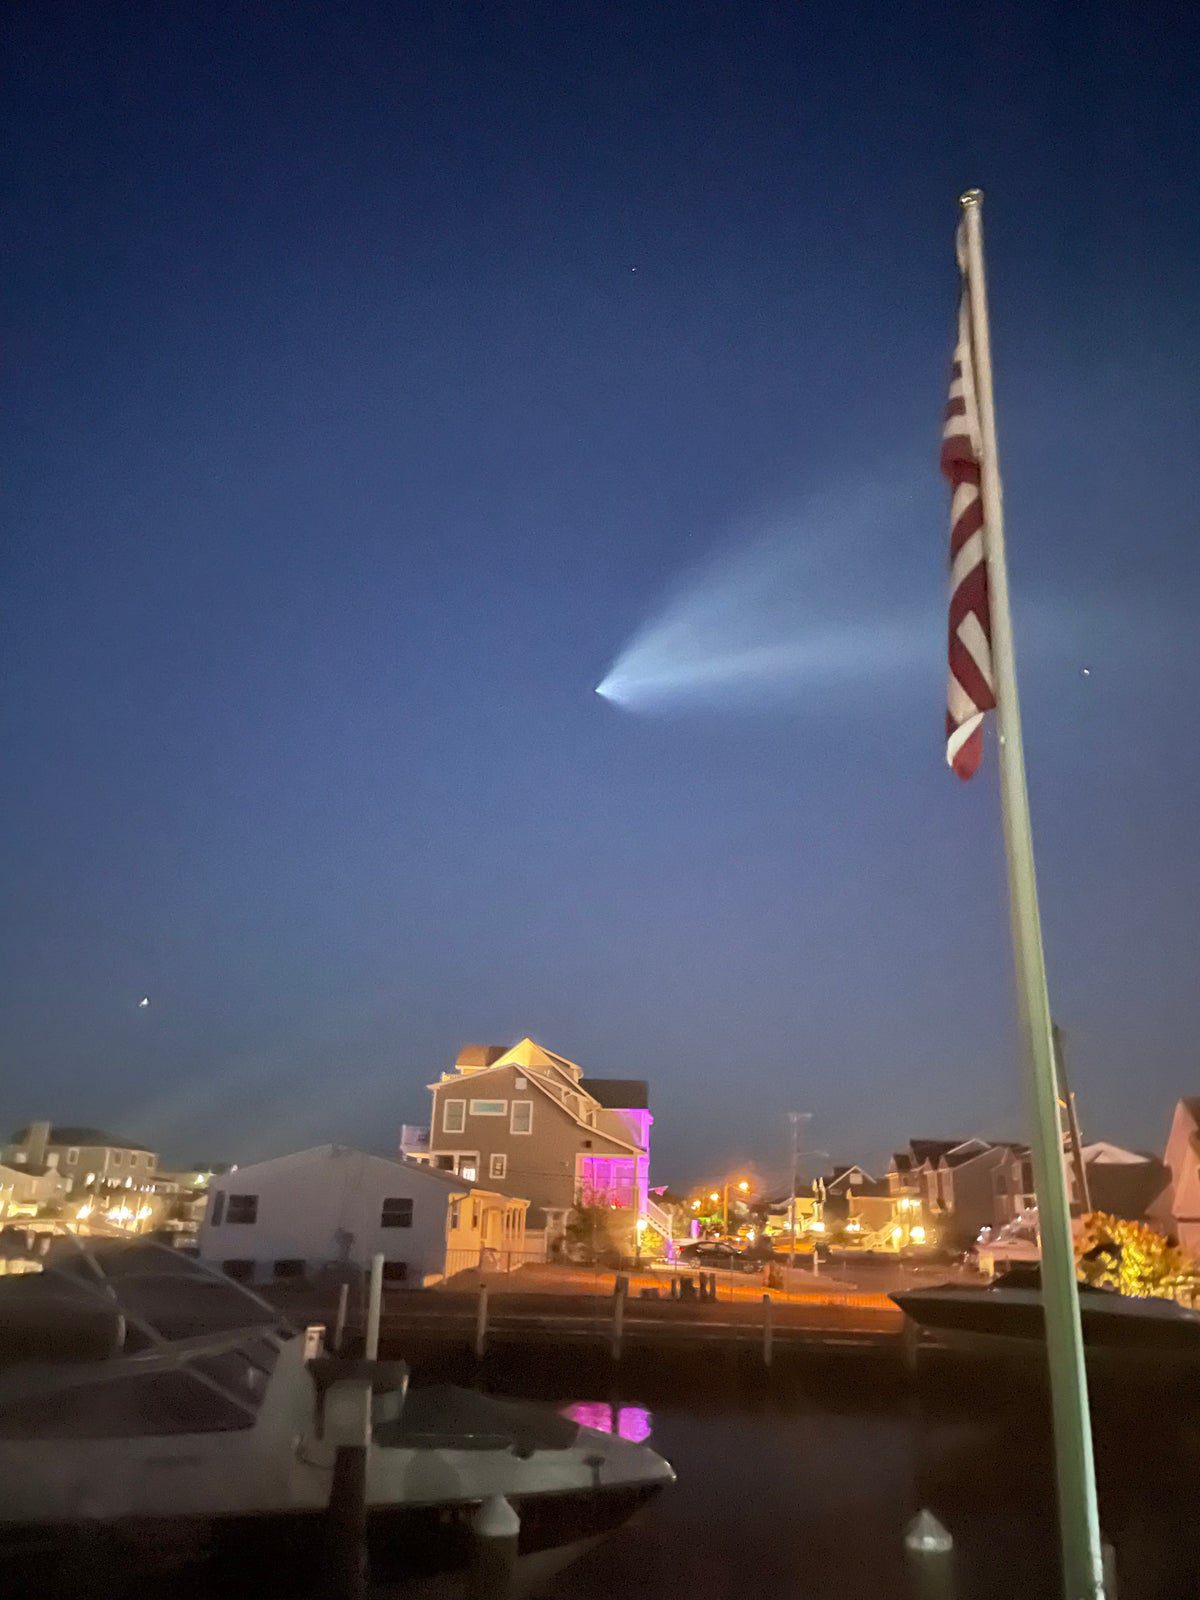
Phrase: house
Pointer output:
(1123, 1183)
(87, 1157)
(335, 1208)
(25, 1189)
(1177, 1209)
(527, 1121)
(964, 1185)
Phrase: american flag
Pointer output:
(970, 691)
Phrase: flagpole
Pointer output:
(1078, 1510)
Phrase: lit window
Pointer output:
(498, 1166)
(469, 1170)
(243, 1208)
(489, 1108)
(396, 1213)
(522, 1116)
(519, 1084)
(453, 1116)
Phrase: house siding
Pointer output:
(541, 1165)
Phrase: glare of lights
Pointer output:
(84, 1211)
(695, 1205)
(897, 1232)
(744, 1186)
(143, 1002)
(853, 1226)
(917, 1234)
(750, 1235)
(714, 1197)
(642, 1225)
(818, 1226)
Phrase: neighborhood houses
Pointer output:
(526, 1157)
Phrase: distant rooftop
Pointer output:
(479, 1055)
(619, 1094)
(63, 1133)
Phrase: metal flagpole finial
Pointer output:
(970, 197)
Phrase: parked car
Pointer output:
(714, 1255)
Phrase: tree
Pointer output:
(1131, 1258)
(598, 1229)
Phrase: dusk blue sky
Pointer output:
(346, 451)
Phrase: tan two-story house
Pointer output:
(528, 1122)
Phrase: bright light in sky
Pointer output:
(802, 605)
(845, 596)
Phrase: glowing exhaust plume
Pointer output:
(805, 606)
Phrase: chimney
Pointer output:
(37, 1137)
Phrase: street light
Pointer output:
(743, 1186)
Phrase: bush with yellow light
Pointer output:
(1130, 1257)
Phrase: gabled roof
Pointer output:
(420, 1169)
(932, 1149)
(63, 1133)
(540, 1064)
(619, 1094)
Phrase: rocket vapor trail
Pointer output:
(804, 606)
(845, 597)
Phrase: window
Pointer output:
(475, 1216)
(453, 1115)
(218, 1210)
(455, 1213)
(519, 1084)
(118, 1158)
(152, 1162)
(489, 1108)
(72, 1155)
(498, 1166)
(522, 1116)
(396, 1213)
(243, 1208)
(469, 1169)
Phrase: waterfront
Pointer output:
(803, 1488)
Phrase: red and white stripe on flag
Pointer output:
(971, 689)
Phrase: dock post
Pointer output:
(929, 1557)
(910, 1344)
(481, 1319)
(495, 1529)
(339, 1326)
(374, 1309)
(767, 1331)
(348, 1427)
(618, 1322)
(1109, 1557)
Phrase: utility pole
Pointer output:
(795, 1118)
(1083, 1194)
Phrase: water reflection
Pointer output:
(628, 1422)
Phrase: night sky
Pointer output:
(374, 373)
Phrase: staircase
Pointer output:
(658, 1219)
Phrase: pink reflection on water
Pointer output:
(631, 1422)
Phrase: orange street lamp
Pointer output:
(744, 1188)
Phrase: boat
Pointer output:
(1008, 1315)
(159, 1415)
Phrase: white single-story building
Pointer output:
(333, 1207)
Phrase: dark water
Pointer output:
(805, 1490)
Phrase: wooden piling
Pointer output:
(339, 1326)
(618, 1322)
(374, 1309)
(481, 1322)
